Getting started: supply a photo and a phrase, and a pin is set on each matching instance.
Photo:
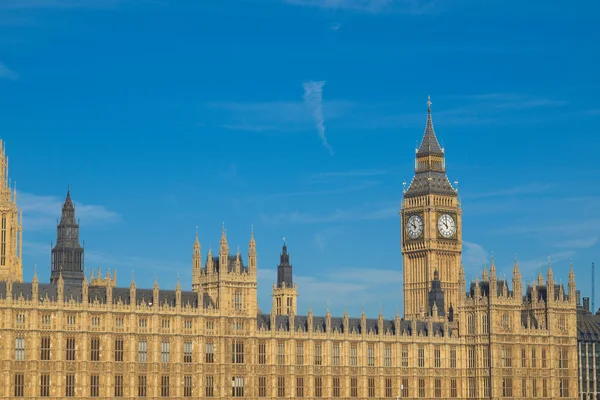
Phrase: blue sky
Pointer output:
(164, 116)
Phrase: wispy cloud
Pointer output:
(517, 101)
(345, 189)
(7, 73)
(581, 243)
(64, 4)
(313, 98)
(473, 257)
(41, 212)
(529, 268)
(327, 176)
(533, 188)
(352, 286)
(340, 215)
(373, 6)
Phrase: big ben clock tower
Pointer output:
(431, 231)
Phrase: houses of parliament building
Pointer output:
(86, 337)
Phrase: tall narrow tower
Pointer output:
(11, 226)
(285, 293)
(431, 237)
(67, 254)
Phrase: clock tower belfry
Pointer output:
(431, 231)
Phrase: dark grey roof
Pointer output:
(588, 328)
(484, 287)
(429, 144)
(429, 182)
(542, 292)
(231, 264)
(354, 325)
(97, 293)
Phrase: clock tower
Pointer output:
(431, 231)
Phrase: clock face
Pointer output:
(414, 226)
(446, 226)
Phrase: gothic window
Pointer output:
(562, 325)
(187, 386)
(95, 321)
(371, 385)
(95, 349)
(70, 385)
(299, 387)
(543, 358)
(165, 351)
(94, 385)
(289, 305)
(71, 320)
(371, 355)
(142, 385)
(353, 355)
(421, 357)
(471, 357)
(20, 319)
(281, 386)
(387, 359)
(210, 386)
(506, 357)
(453, 389)
(405, 356)
(166, 324)
(19, 349)
(486, 386)
(45, 385)
(187, 352)
(486, 357)
(187, 324)
(70, 349)
(484, 323)
(237, 351)
(505, 322)
(165, 386)
(564, 387)
(143, 323)
(471, 324)
(421, 387)
(472, 388)
(118, 385)
(523, 358)
(438, 388)
(507, 387)
(210, 353)
(336, 386)
(318, 386)
(46, 319)
(335, 356)
(388, 387)
(19, 389)
(317, 353)
(452, 358)
(524, 388)
(142, 351)
(544, 388)
(237, 386)
(119, 349)
(563, 358)
(534, 391)
(281, 353)
(437, 357)
(3, 242)
(45, 348)
(300, 353)
(262, 353)
(237, 301)
(533, 359)
(353, 387)
(262, 386)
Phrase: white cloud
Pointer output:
(356, 287)
(313, 98)
(7, 73)
(320, 241)
(373, 6)
(339, 215)
(41, 212)
(63, 4)
(581, 243)
(474, 255)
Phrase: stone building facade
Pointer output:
(485, 339)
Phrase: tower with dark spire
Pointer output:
(285, 293)
(11, 226)
(67, 254)
(430, 231)
(436, 297)
(284, 269)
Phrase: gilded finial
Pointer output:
(429, 103)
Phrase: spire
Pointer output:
(284, 269)
(224, 247)
(197, 241)
(429, 144)
(493, 268)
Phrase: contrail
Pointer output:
(313, 97)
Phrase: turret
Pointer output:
(550, 283)
(132, 291)
(252, 254)
(178, 294)
(155, 293)
(517, 282)
(493, 279)
(572, 288)
(285, 293)
(35, 287)
(196, 264)
(60, 288)
(223, 252)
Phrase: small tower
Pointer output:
(196, 264)
(11, 226)
(436, 297)
(67, 254)
(284, 291)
